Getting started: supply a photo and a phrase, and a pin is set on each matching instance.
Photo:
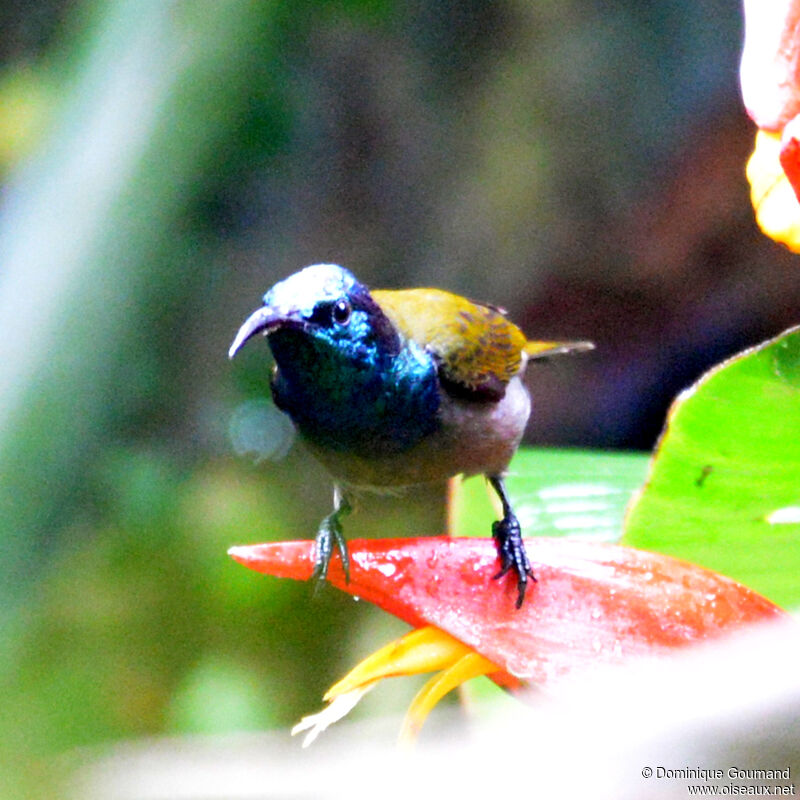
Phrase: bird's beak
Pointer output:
(263, 320)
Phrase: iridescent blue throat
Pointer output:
(351, 393)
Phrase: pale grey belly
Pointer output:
(473, 438)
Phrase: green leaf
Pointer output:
(724, 485)
(556, 493)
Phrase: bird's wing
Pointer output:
(477, 348)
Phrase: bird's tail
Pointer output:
(548, 349)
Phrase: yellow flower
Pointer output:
(426, 649)
(773, 197)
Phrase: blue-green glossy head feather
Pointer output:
(304, 291)
(344, 374)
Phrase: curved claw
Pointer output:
(511, 549)
(329, 536)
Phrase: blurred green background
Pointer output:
(163, 163)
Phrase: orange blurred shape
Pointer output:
(770, 66)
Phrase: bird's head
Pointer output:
(322, 307)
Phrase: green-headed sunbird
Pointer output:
(395, 388)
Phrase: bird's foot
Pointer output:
(329, 536)
(511, 549)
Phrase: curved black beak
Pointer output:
(262, 320)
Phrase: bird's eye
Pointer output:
(341, 312)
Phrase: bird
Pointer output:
(393, 388)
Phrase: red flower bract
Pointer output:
(790, 154)
(592, 603)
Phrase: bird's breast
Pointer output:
(370, 407)
(470, 438)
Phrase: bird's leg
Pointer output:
(510, 547)
(330, 534)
